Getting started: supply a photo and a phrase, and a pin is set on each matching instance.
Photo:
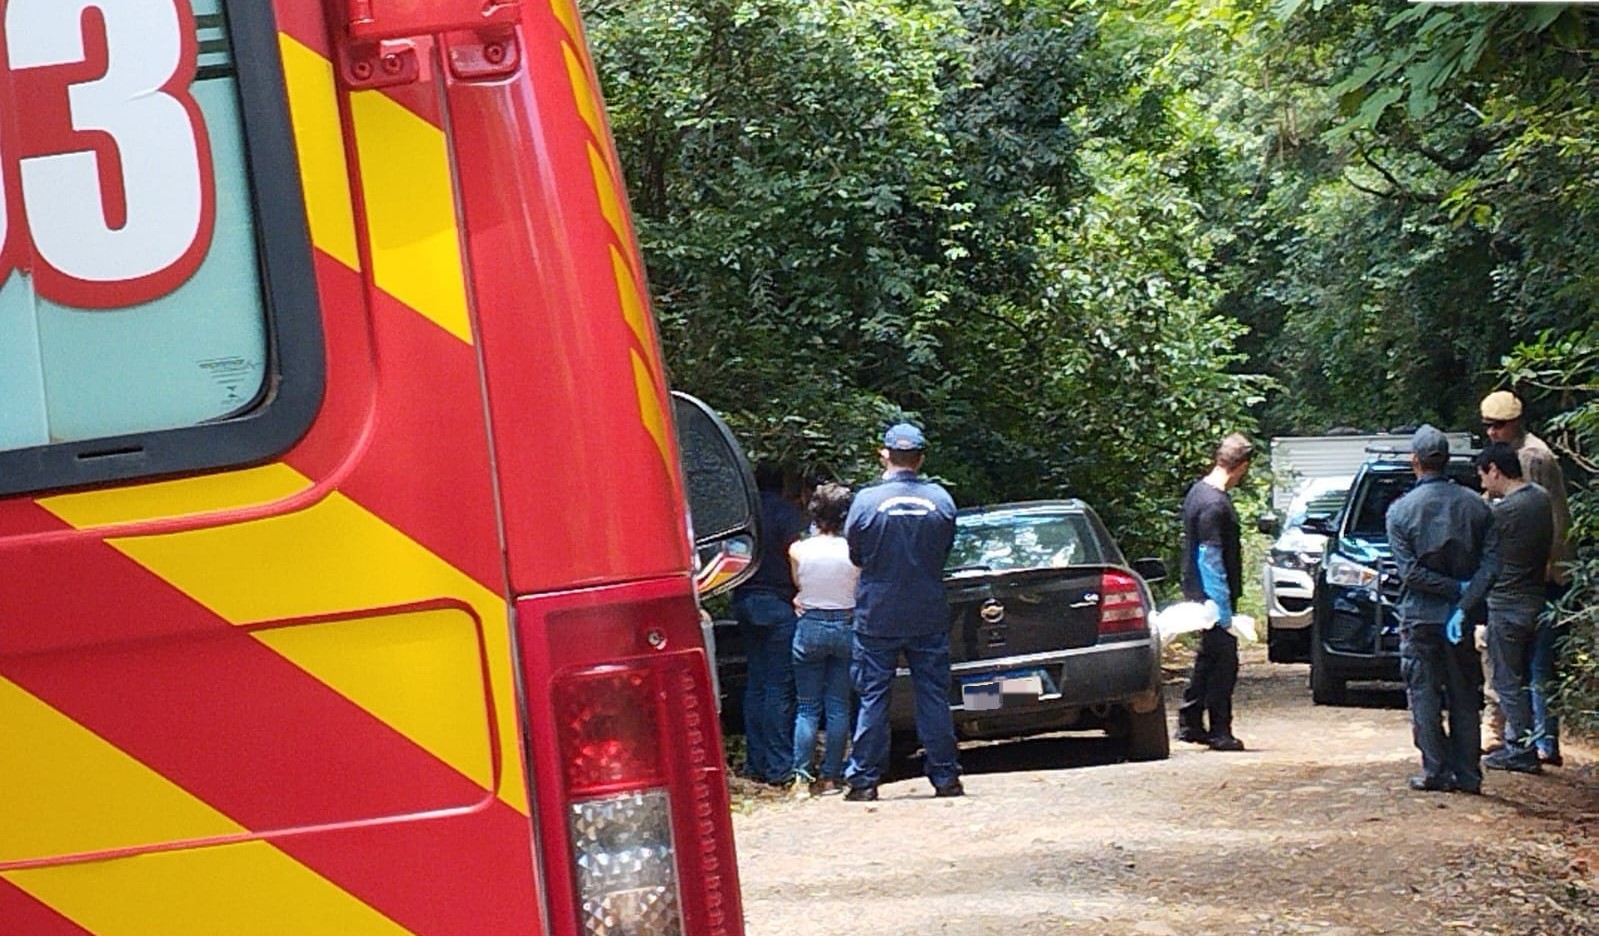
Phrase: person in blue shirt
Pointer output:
(900, 531)
(764, 607)
(1446, 552)
(1213, 569)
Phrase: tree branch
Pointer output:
(1398, 188)
(1476, 148)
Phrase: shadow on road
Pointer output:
(1375, 696)
(1046, 752)
(1088, 749)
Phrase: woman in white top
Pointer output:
(822, 639)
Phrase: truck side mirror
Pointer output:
(1321, 526)
(1267, 524)
(723, 505)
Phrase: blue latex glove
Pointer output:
(1453, 628)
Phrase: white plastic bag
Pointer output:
(1185, 617)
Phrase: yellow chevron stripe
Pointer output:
(421, 670)
(587, 102)
(409, 193)
(314, 108)
(337, 557)
(651, 412)
(607, 187)
(80, 794)
(184, 497)
(566, 12)
(632, 303)
(250, 889)
(68, 791)
(610, 195)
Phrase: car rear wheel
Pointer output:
(1325, 687)
(1147, 738)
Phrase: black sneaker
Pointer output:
(1430, 785)
(861, 794)
(1192, 735)
(1551, 758)
(950, 789)
(1226, 743)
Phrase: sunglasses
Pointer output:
(1494, 423)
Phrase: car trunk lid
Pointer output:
(1004, 614)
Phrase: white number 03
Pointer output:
(110, 196)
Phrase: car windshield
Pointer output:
(1006, 542)
(1369, 509)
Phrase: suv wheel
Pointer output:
(1325, 688)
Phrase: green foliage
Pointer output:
(1566, 367)
(1082, 239)
(857, 210)
(792, 190)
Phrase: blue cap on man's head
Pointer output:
(904, 437)
(1429, 442)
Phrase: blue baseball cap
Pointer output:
(904, 437)
(1429, 442)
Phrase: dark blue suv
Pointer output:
(1355, 624)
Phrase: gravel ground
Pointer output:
(1310, 831)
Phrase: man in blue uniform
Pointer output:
(900, 531)
(1443, 542)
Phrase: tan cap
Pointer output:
(1501, 406)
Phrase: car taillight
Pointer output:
(1121, 605)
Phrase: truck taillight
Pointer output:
(644, 815)
(619, 805)
(1121, 605)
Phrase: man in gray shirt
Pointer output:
(1442, 539)
(1524, 524)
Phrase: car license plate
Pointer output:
(990, 693)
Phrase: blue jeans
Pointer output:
(1545, 723)
(766, 627)
(872, 665)
(1440, 675)
(822, 642)
(1510, 645)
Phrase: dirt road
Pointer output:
(1310, 831)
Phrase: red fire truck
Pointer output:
(346, 583)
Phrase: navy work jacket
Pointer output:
(1445, 546)
(900, 531)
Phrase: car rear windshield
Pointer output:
(1006, 542)
(1378, 491)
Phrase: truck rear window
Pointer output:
(134, 260)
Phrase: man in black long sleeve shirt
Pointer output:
(1213, 569)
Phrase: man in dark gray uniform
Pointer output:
(1525, 529)
(900, 531)
(1442, 539)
